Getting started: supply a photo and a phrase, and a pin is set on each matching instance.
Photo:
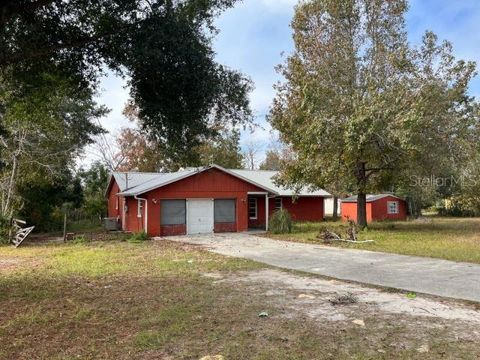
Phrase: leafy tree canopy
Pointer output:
(162, 46)
(360, 108)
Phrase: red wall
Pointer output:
(211, 184)
(113, 212)
(376, 211)
(380, 209)
(302, 209)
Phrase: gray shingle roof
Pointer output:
(140, 183)
(370, 198)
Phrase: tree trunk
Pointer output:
(335, 208)
(361, 195)
(362, 210)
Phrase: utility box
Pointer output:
(111, 224)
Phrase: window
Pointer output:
(252, 208)
(139, 208)
(392, 207)
(173, 212)
(224, 211)
(278, 203)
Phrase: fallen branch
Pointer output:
(329, 236)
(354, 241)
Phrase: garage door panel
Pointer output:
(200, 216)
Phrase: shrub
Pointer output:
(281, 222)
(138, 238)
(80, 239)
(5, 227)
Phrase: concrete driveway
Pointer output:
(424, 275)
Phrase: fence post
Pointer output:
(65, 227)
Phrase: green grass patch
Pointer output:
(151, 300)
(456, 239)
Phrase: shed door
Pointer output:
(199, 216)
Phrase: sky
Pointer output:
(255, 33)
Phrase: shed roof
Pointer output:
(370, 198)
(140, 183)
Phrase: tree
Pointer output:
(164, 47)
(358, 104)
(95, 181)
(273, 161)
(250, 154)
(45, 131)
(276, 154)
(141, 154)
(224, 150)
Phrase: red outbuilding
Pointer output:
(205, 200)
(379, 207)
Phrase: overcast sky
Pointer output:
(255, 33)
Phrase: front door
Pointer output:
(199, 216)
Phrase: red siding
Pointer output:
(132, 221)
(211, 184)
(225, 227)
(301, 209)
(380, 209)
(114, 210)
(305, 208)
(171, 230)
(376, 210)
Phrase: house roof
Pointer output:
(370, 198)
(140, 183)
(265, 178)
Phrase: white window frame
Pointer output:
(139, 208)
(281, 203)
(256, 208)
(397, 207)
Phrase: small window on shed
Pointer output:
(224, 211)
(173, 212)
(278, 203)
(392, 207)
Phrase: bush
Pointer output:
(138, 238)
(80, 239)
(5, 227)
(281, 222)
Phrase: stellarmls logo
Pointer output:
(438, 181)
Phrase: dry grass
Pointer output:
(153, 301)
(455, 239)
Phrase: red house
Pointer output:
(379, 207)
(205, 200)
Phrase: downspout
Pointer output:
(146, 211)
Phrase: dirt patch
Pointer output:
(317, 298)
(8, 264)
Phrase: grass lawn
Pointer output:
(455, 239)
(159, 300)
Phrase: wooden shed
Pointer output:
(379, 207)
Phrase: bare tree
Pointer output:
(251, 153)
(107, 150)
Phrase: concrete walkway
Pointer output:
(423, 275)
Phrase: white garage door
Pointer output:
(199, 216)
